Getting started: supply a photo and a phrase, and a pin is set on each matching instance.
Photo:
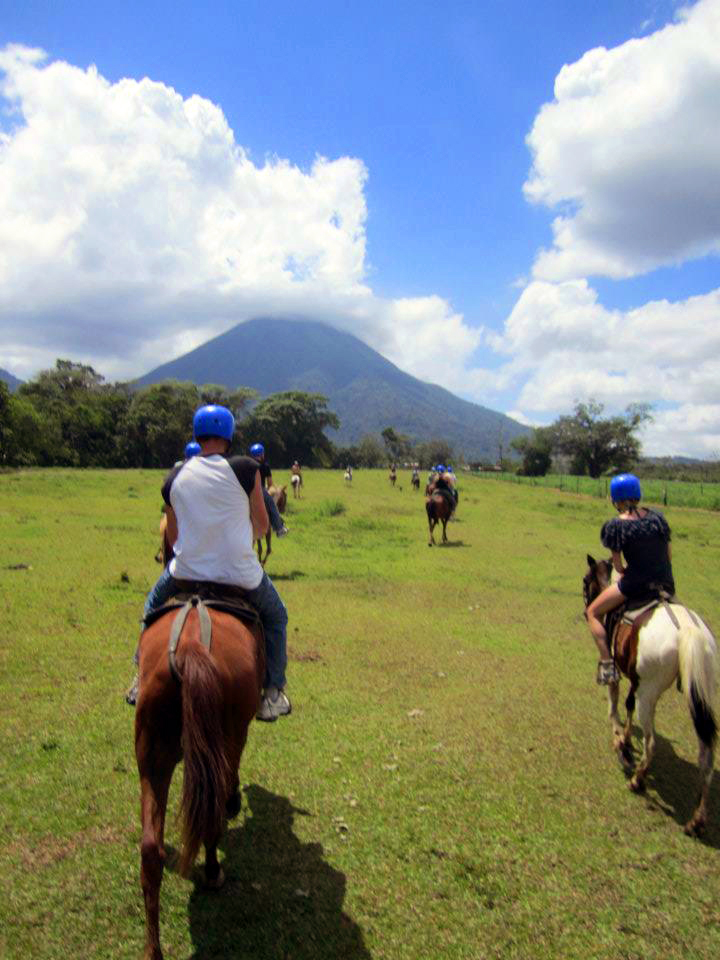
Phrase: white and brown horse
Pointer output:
(671, 645)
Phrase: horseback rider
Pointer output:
(639, 539)
(192, 449)
(257, 452)
(215, 510)
(296, 470)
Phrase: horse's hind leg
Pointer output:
(154, 785)
(706, 730)
(431, 525)
(646, 716)
(444, 539)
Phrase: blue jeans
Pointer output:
(276, 521)
(273, 616)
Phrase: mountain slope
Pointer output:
(12, 382)
(366, 391)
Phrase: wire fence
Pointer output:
(676, 493)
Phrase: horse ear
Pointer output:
(591, 562)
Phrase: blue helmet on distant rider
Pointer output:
(257, 450)
(213, 420)
(440, 468)
(192, 449)
(625, 486)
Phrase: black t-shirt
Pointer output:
(644, 544)
(265, 471)
(244, 469)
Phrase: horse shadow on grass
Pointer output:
(292, 575)
(675, 781)
(281, 900)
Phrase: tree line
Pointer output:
(70, 416)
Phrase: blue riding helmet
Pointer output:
(213, 420)
(192, 449)
(440, 468)
(257, 450)
(625, 486)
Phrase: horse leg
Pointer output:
(696, 825)
(646, 715)
(268, 548)
(431, 524)
(621, 735)
(444, 523)
(154, 786)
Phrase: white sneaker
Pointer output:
(274, 704)
(283, 531)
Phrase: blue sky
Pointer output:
(421, 111)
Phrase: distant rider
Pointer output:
(257, 452)
(642, 537)
(215, 510)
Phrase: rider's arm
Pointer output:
(617, 562)
(258, 513)
(171, 530)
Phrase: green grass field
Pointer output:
(445, 786)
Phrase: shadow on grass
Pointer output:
(281, 898)
(676, 782)
(292, 575)
(453, 543)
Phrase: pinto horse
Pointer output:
(672, 644)
(296, 481)
(439, 510)
(201, 718)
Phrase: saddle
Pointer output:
(202, 594)
(623, 627)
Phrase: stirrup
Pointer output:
(607, 673)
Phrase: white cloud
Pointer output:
(134, 227)
(628, 150)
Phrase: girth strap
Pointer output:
(177, 628)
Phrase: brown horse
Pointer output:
(392, 476)
(202, 719)
(439, 510)
(279, 495)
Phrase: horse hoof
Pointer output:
(217, 883)
(637, 786)
(232, 808)
(694, 828)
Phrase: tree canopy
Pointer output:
(593, 444)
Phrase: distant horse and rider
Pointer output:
(296, 479)
(664, 643)
(279, 495)
(440, 503)
(392, 476)
(348, 476)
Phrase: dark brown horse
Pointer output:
(202, 719)
(439, 510)
(279, 495)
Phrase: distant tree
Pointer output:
(597, 444)
(237, 400)
(79, 415)
(398, 446)
(431, 452)
(536, 450)
(370, 452)
(158, 424)
(290, 425)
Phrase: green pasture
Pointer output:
(666, 493)
(444, 787)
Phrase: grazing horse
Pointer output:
(296, 481)
(196, 709)
(668, 643)
(279, 495)
(439, 510)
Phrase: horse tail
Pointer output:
(698, 671)
(205, 770)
